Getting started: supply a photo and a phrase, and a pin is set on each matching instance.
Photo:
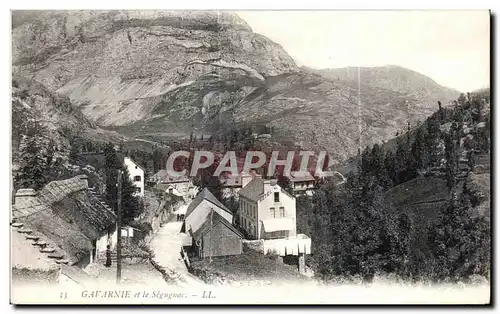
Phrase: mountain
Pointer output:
(162, 74)
(37, 111)
(395, 78)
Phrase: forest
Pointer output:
(360, 229)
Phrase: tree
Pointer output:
(460, 242)
(451, 144)
(205, 179)
(131, 205)
(285, 183)
(441, 113)
(417, 150)
(36, 160)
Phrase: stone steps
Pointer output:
(47, 250)
(55, 256)
(62, 261)
(32, 237)
(35, 241)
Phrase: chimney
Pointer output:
(269, 185)
(247, 178)
(84, 179)
(23, 197)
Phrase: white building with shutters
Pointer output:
(267, 212)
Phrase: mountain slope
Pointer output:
(161, 74)
(32, 103)
(395, 78)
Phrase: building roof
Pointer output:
(76, 274)
(163, 176)
(66, 213)
(205, 194)
(210, 222)
(254, 189)
(165, 187)
(25, 255)
(306, 176)
(135, 163)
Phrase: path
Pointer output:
(166, 245)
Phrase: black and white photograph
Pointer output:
(250, 157)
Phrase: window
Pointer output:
(137, 190)
(137, 178)
(272, 212)
(276, 197)
(135, 167)
(282, 212)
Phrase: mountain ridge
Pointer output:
(163, 74)
(393, 77)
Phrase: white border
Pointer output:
(197, 4)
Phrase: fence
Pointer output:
(185, 258)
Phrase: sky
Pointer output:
(451, 47)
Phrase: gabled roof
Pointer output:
(162, 175)
(67, 214)
(25, 255)
(306, 176)
(211, 222)
(205, 194)
(134, 162)
(254, 189)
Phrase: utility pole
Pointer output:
(210, 234)
(119, 229)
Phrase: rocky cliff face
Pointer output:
(162, 73)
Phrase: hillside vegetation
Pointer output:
(419, 211)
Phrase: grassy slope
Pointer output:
(249, 266)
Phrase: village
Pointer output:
(67, 234)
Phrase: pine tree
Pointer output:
(417, 150)
(460, 242)
(131, 205)
(35, 156)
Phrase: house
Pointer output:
(216, 237)
(232, 184)
(266, 210)
(162, 182)
(136, 173)
(200, 207)
(31, 264)
(268, 213)
(65, 219)
(302, 184)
